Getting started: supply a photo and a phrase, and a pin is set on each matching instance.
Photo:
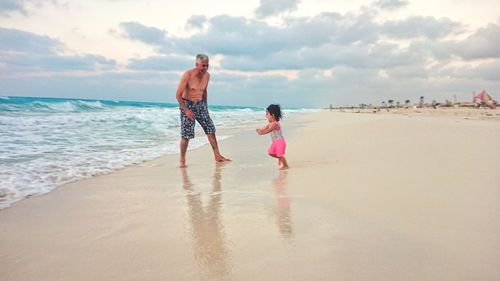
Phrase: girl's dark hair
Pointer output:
(275, 110)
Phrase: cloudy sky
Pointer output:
(300, 53)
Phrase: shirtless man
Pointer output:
(192, 97)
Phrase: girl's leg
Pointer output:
(274, 156)
(280, 160)
(284, 163)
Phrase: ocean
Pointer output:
(47, 142)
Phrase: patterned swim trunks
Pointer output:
(200, 110)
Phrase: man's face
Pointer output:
(202, 66)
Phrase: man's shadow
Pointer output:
(282, 209)
(206, 227)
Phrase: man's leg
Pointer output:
(213, 142)
(203, 117)
(187, 132)
(184, 146)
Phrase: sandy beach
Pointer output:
(367, 197)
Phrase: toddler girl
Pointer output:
(278, 145)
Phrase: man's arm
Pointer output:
(180, 91)
(205, 92)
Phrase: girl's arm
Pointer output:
(266, 129)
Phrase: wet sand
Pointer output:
(367, 197)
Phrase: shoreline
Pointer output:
(199, 142)
(367, 197)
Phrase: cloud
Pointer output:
(487, 71)
(248, 37)
(326, 57)
(47, 63)
(149, 35)
(15, 40)
(321, 41)
(275, 7)
(22, 51)
(162, 63)
(232, 36)
(7, 6)
(425, 47)
(390, 4)
(416, 26)
(414, 71)
(484, 43)
(225, 34)
(361, 28)
(23, 6)
(253, 39)
(196, 22)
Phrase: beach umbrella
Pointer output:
(483, 96)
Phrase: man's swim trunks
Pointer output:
(200, 110)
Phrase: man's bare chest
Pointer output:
(196, 83)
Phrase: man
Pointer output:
(192, 97)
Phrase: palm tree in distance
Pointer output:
(390, 103)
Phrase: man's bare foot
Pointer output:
(221, 159)
(182, 164)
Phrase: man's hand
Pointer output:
(189, 114)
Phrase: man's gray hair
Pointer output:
(201, 57)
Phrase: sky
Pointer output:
(299, 53)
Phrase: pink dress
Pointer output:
(278, 144)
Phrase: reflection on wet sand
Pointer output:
(282, 205)
(207, 229)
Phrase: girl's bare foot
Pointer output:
(182, 164)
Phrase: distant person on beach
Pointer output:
(192, 97)
(278, 145)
